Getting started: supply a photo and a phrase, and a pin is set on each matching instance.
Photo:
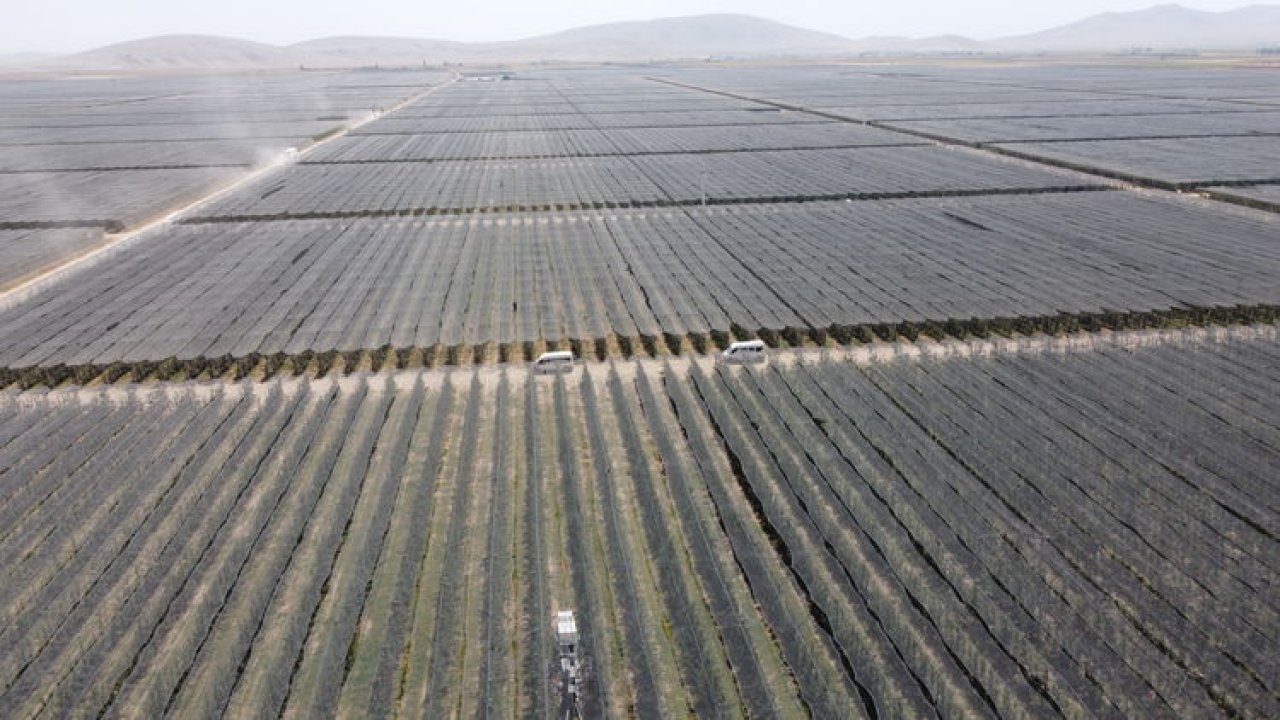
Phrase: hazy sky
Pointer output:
(73, 25)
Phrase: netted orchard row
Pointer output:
(211, 99)
(869, 172)
(142, 154)
(1225, 83)
(599, 83)
(1172, 142)
(340, 570)
(1128, 579)
(189, 105)
(288, 287)
(500, 98)
(192, 136)
(112, 199)
(199, 130)
(686, 102)
(979, 93)
(817, 538)
(1015, 107)
(461, 186)
(550, 94)
(1184, 162)
(24, 253)
(831, 86)
(1025, 108)
(607, 141)
(396, 124)
(1102, 127)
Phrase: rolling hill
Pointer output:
(670, 38)
(700, 36)
(179, 52)
(1160, 27)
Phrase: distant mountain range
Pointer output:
(1164, 27)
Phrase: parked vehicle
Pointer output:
(745, 351)
(553, 362)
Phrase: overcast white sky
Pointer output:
(73, 25)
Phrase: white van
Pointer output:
(746, 351)
(553, 362)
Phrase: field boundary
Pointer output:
(640, 204)
(597, 351)
(1243, 200)
(876, 353)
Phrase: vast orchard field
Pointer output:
(115, 153)
(318, 286)
(1048, 529)
(270, 445)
